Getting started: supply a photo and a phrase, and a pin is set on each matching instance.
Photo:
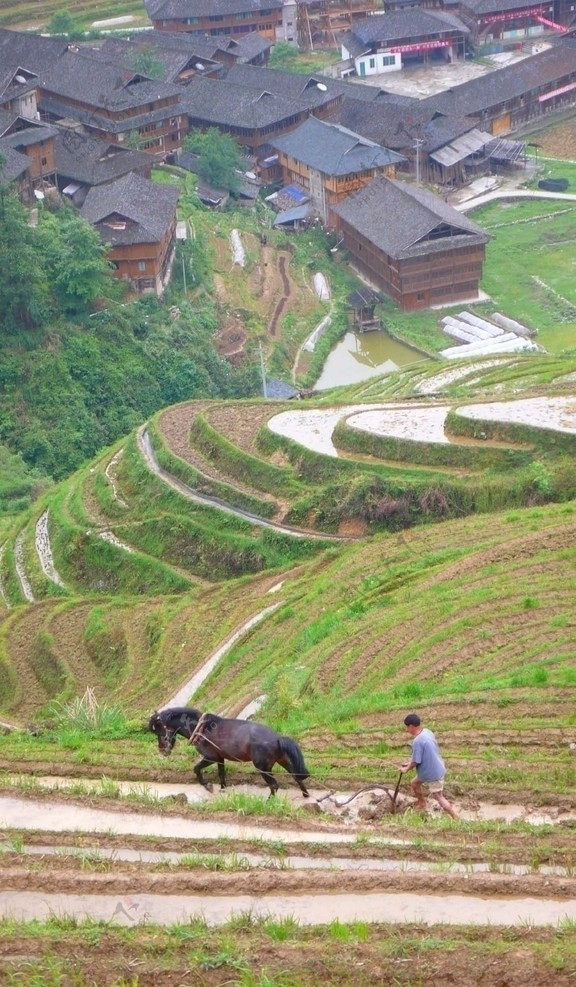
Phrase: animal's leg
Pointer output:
(198, 768)
(268, 778)
(302, 787)
(222, 774)
(287, 765)
(271, 782)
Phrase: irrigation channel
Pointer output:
(350, 889)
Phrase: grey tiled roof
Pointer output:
(148, 208)
(99, 121)
(172, 61)
(11, 87)
(222, 102)
(180, 9)
(242, 47)
(492, 6)
(33, 134)
(92, 161)
(405, 24)
(250, 46)
(290, 85)
(396, 123)
(14, 164)
(21, 49)
(398, 217)
(543, 69)
(7, 119)
(333, 149)
(353, 45)
(90, 79)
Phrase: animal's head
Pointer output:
(166, 735)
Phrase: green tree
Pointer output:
(283, 56)
(220, 160)
(61, 23)
(75, 260)
(145, 62)
(19, 484)
(24, 294)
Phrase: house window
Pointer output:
(141, 265)
(388, 60)
(372, 63)
(44, 160)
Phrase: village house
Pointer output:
(253, 112)
(136, 218)
(222, 51)
(409, 243)
(496, 25)
(328, 162)
(115, 104)
(168, 62)
(23, 57)
(217, 17)
(503, 100)
(84, 162)
(29, 152)
(388, 42)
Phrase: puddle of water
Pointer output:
(195, 794)
(305, 909)
(25, 814)
(294, 862)
(359, 356)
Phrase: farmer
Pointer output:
(430, 768)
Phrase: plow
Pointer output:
(392, 795)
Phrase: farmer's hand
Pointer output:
(405, 767)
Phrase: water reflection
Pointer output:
(359, 356)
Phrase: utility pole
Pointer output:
(263, 372)
(418, 141)
(184, 273)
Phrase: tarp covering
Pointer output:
(295, 193)
(505, 150)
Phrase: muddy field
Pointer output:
(415, 895)
(267, 957)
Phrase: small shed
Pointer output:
(293, 219)
(362, 303)
(279, 391)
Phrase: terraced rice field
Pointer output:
(332, 637)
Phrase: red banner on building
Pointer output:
(557, 92)
(557, 27)
(512, 15)
(423, 46)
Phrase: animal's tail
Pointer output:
(296, 758)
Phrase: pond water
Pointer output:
(361, 355)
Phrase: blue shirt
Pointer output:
(426, 756)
